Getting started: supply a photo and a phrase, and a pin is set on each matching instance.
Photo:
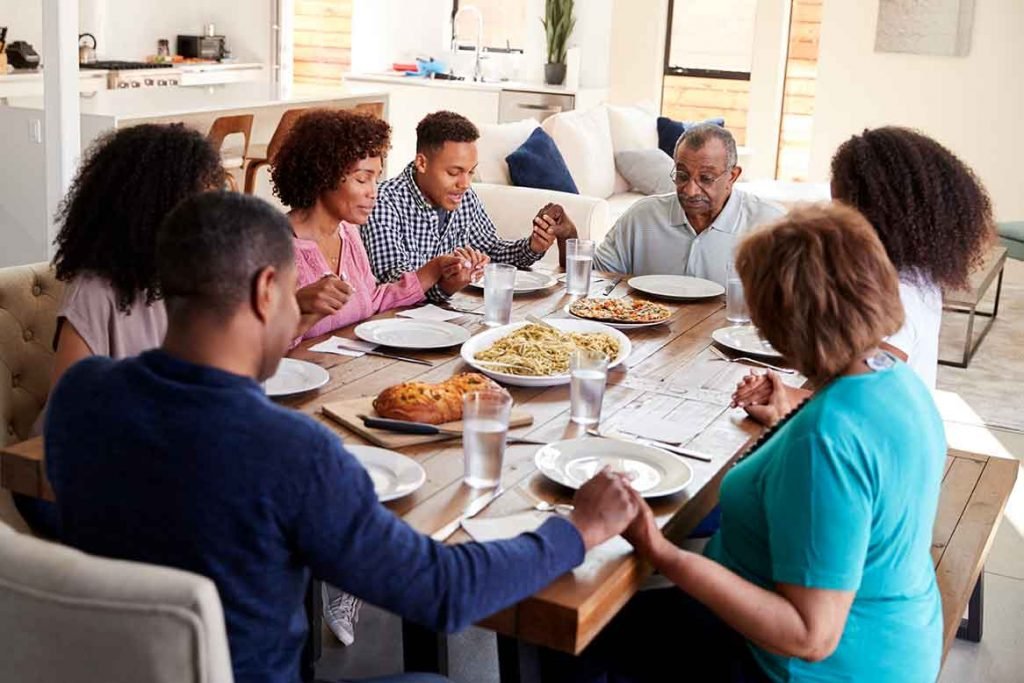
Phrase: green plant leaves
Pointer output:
(558, 23)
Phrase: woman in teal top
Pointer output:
(822, 568)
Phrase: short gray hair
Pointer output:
(698, 134)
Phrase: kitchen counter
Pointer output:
(391, 78)
(27, 75)
(167, 103)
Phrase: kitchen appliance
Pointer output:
(202, 47)
(86, 52)
(21, 55)
(136, 74)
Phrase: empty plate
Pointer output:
(681, 287)
(655, 472)
(393, 475)
(526, 281)
(295, 377)
(745, 339)
(411, 334)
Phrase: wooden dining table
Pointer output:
(671, 372)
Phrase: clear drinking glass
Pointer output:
(735, 301)
(485, 417)
(589, 372)
(579, 257)
(499, 281)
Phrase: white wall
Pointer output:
(386, 31)
(637, 52)
(974, 105)
(129, 29)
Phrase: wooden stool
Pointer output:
(224, 126)
(263, 155)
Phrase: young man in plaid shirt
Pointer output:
(430, 209)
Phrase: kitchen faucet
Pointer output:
(477, 70)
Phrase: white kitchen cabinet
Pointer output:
(28, 83)
(215, 74)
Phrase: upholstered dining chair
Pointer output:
(68, 616)
(28, 320)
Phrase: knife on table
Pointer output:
(404, 427)
(475, 507)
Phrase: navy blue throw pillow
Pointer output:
(669, 131)
(537, 163)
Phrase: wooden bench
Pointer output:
(975, 489)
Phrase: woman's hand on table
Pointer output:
(603, 507)
(766, 398)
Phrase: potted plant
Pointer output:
(558, 24)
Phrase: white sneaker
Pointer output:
(341, 612)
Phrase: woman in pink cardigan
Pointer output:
(327, 173)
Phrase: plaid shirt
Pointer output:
(403, 232)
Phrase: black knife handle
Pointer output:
(400, 426)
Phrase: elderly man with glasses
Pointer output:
(694, 231)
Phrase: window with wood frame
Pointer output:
(322, 33)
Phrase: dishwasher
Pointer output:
(516, 105)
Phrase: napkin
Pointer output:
(429, 312)
(657, 428)
(510, 526)
(343, 347)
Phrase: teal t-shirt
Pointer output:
(843, 497)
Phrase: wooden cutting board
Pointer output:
(346, 412)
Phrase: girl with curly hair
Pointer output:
(934, 219)
(106, 243)
(327, 172)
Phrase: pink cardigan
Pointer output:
(369, 297)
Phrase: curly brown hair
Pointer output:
(321, 148)
(129, 180)
(930, 210)
(820, 288)
(441, 127)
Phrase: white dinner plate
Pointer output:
(295, 377)
(526, 281)
(393, 475)
(411, 334)
(574, 461)
(618, 325)
(745, 339)
(681, 287)
(481, 341)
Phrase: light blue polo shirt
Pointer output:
(843, 497)
(654, 237)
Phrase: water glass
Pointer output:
(579, 258)
(485, 417)
(735, 301)
(499, 283)
(589, 372)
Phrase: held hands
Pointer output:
(766, 398)
(643, 532)
(550, 224)
(466, 265)
(324, 297)
(604, 507)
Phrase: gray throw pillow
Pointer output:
(646, 170)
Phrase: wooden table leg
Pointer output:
(423, 650)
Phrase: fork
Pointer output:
(748, 359)
(560, 508)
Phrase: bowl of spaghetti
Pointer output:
(530, 355)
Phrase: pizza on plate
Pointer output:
(624, 310)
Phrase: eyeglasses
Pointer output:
(704, 181)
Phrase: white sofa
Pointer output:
(588, 141)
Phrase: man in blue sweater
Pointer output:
(177, 458)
